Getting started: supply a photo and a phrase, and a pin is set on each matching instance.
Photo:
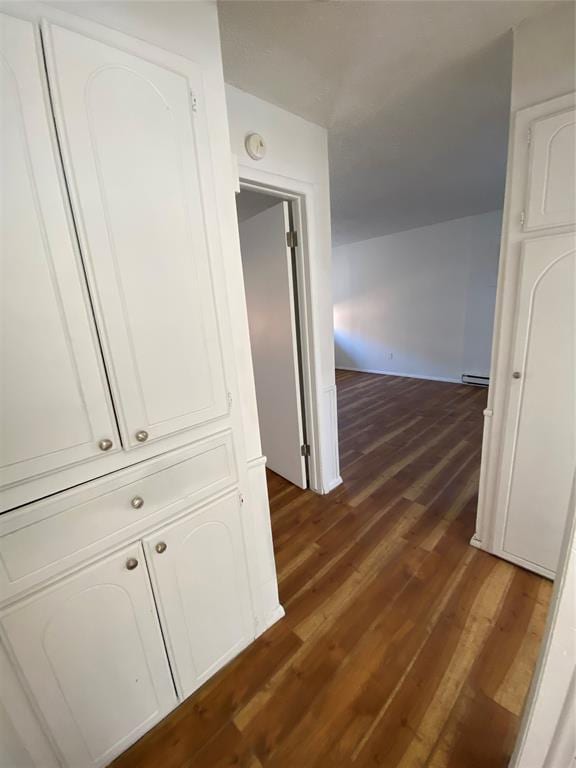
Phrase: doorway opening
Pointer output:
(271, 240)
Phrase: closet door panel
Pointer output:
(551, 194)
(132, 148)
(540, 441)
(54, 401)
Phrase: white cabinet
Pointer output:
(136, 158)
(529, 448)
(551, 192)
(540, 438)
(54, 402)
(111, 322)
(91, 652)
(198, 568)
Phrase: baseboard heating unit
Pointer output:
(477, 381)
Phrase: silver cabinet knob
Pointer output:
(105, 444)
(131, 563)
(516, 375)
(141, 435)
(160, 547)
(137, 502)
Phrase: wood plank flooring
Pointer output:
(402, 646)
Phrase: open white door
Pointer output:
(267, 263)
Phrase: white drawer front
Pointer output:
(43, 539)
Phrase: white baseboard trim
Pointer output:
(275, 616)
(333, 484)
(447, 379)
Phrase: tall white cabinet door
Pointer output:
(198, 569)
(91, 651)
(137, 158)
(54, 401)
(551, 194)
(540, 438)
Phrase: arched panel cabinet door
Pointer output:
(91, 652)
(551, 192)
(198, 569)
(137, 161)
(539, 453)
(55, 407)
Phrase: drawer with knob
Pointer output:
(46, 538)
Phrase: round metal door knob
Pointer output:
(105, 444)
(160, 547)
(141, 435)
(516, 375)
(137, 502)
(131, 563)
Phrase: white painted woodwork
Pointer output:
(260, 549)
(527, 419)
(551, 192)
(41, 540)
(540, 437)
(267, 266)
(296, 167)
(135, 161)
(54, 400)
(91, 652)
(202, 589)
(23, 743)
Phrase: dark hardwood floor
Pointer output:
(402, 645)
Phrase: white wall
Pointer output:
(544, 58)
(419, 303)
(297, 160)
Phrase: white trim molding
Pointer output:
(421, 376)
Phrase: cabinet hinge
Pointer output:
(522, 218)
(193, 101)
(529, 136)
(229, 397)
(292, 239)
(305, 449)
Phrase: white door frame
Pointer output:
(299, 201)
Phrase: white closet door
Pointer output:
(54, 401)
(91, 651)
(267, 267)
(540, 438)
(198, 568)
(551, 194)
(137, 158)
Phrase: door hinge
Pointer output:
(522, 218)
(193, 101)
(292, 239)
(229, 398)
(529, 136)
(305, 449)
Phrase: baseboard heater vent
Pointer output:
(477, 381)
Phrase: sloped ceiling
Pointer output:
(415, 96)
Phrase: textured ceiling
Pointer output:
(415, 96)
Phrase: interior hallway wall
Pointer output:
(420, 302)
(297, 160)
